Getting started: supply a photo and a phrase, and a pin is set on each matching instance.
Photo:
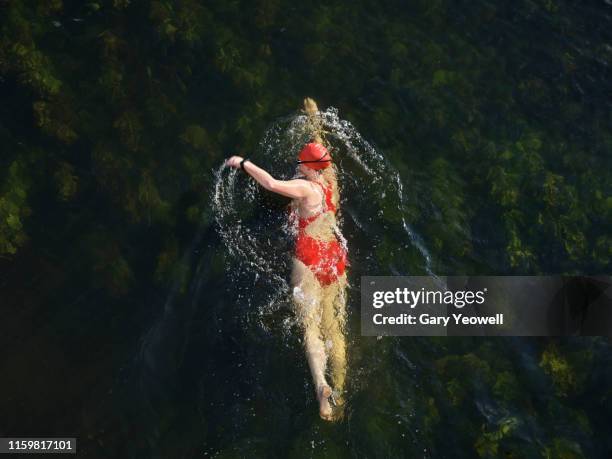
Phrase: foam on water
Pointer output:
(254, 225)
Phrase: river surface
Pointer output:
(148, 312)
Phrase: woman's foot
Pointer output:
(325, 409)
(337, 398)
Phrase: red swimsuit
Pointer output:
(326, 259)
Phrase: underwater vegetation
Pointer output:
(510, 148)
(497, 115)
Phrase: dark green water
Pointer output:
(127, 322)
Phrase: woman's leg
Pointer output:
(307, 300)
(333, 323)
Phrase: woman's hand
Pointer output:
(234, 162)
(290, 188)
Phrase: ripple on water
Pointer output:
(258, 239)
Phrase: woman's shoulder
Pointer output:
(313, 190)
(300, 182)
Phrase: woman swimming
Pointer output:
(318, 274)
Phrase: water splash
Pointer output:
(385, 180)
(253, 223)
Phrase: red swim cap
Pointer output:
(315, 156)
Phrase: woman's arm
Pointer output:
(290, 188)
